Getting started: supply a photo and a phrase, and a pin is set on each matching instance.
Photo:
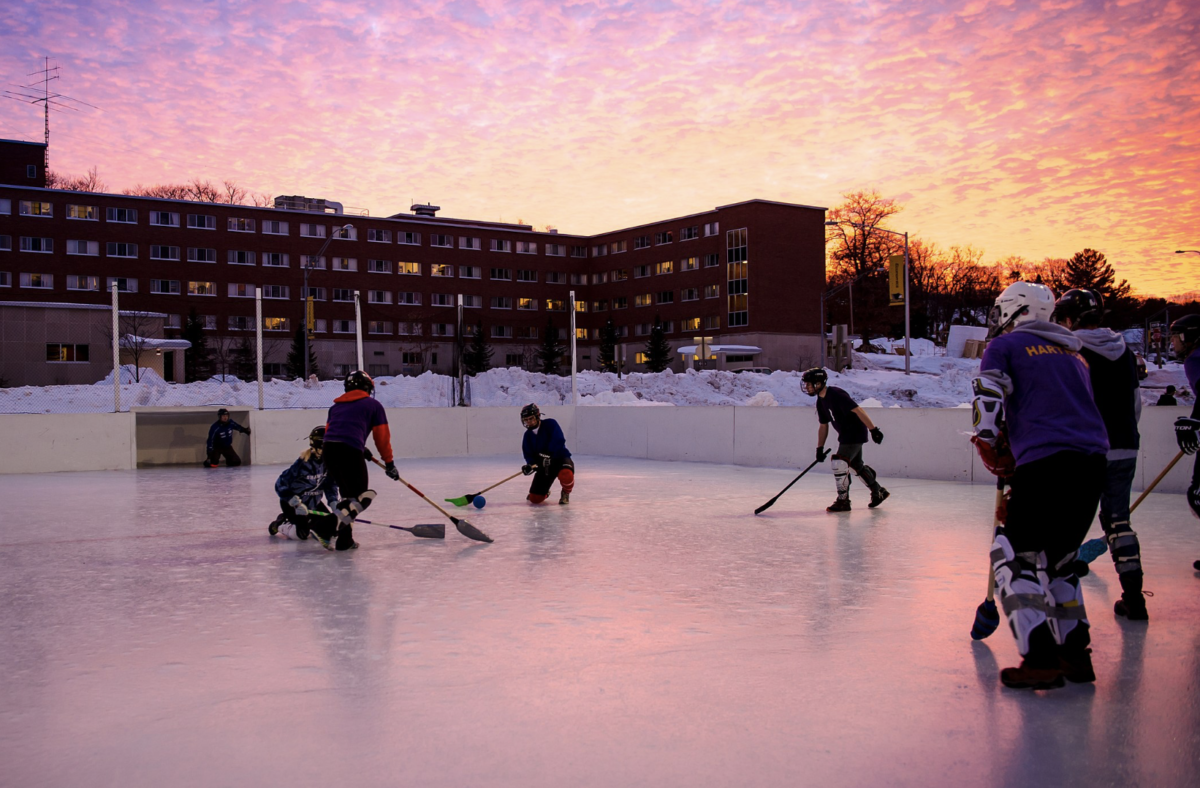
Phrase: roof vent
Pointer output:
(296, 202)
(427, 209)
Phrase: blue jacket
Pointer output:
(546, 439)
(308, 479)
(222, 434)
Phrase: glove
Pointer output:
(367, 455)
(877, 435)
(298, 505)
(996, 457)
(247, 430)
(390, 470)
(822, 453)
(528, 469)
(545, 461)
(1185, 434)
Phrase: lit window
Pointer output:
(408, 269)
(37, 208)
(87, 212)
(202, 288)
(38, 281)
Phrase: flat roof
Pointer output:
(64, 305)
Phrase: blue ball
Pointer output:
(479, 502)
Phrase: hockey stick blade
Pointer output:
(470, 531)
(1092, 549)
(461, 501)
(423, 530)
(771, 502)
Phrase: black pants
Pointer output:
(348, 468)
(544, 478)
(217, 452)
(324, 523)
(1053, 503)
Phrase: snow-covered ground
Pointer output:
(876, 380)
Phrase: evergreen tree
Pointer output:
(244, 361)
(478, 356)
(658, 349)
(608, 347)
(1089, 269)
(550, 353)
(197, 360)
(295, 356)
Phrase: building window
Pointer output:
(581, 333)
(278, 292)
(689, 264)
(379, 297)
(641, 242)
(89, 248)
(620, 274)
(502, 332)
(88, 212)
(117, 249)
(379, 327)
(470, 272)
(668, 326)
(275, 259)
(343, 326)
(527, 304)
(641, 271)
(556, 250)
(600, 306)
(346, 232)
(526, 332)
(37, 208)
(467, 242)
(345, 264)
(579, 279)
(441, 299)
(273, 370)
(379, 236)
(164, 252)
(196, 255)
(616, 247)
(5, 207)
(239, 224)
(600, 278)
(641, 329)
(164, 286)
(200, 221)
(526, 247)
(343, 294)
(411, 328)
(442, 329)
(209, 322)
(410, 358)
(379, 266)
(527, 276)
(667, 267)
(689, 294)
(711, 323)
(599, 250)
(75, 282)
(272, 227)
(410, 299)
(473, 302)
(501, 302)
(5, 279)
(712, 228)
(556, 278)
(666, 297)
(38, 281)
(275, 324)
(712, 291)
(171, 321)
(439, 239)
(31, 171)
(236, 257)
(237, 290)
(409, 239)
(665, 237)
(65, 354)
(124, 285)
(712, 260)
(164, 219)
(5, 243)
(689, 233)
(41, 245)
(441, 270)
(737, 266)
(315, 293)
(342, 370)
(408, 269)
(581, 306)
(579, 251)
(691, 323)
(378, 370)
(646, 299)
(312, 230)
(202, 288)
(514, 359)
(122, 215)
(312, 262)
(620, 302)
(502, 274)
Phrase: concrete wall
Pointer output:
(918, 443)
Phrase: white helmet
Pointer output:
(1021, 302)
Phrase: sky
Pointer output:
(1019, 128)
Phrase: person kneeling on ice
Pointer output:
(220, 441)
(300, 489)
(354, 416)
(852, 423)
(546, 455)
(1034, 396)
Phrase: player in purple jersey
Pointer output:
(1033, 395)
(1185, 339)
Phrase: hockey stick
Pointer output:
(464, 528)
(1094, 548)
(466, 499)
(771, 502)
(425, 530)
(987, 618)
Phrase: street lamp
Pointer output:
(345, 228)
(907, 324)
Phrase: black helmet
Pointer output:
(222, 412)
(316, 438)
(817, 376)
(531, 410)
(1187, 327)
(1084, 307)
(360, 381)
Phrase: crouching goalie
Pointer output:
(300, 489)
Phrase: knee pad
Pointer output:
(1021, 583)
(566, 477)
(349, 508)
(535, 498)
(841, 474)
(1124, 546)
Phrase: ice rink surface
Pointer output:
(653, 633)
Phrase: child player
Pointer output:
(852, 423)
(1112, 369)
(1033, 394)
(300, 489)
(354, 416)
(1185, 339)
(546, 455)
(220, 441)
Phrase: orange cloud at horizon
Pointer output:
(1020, 128)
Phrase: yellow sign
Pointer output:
(896, 279)
(310, 322)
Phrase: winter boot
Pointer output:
(878, 496)
(840, 505)
(564, 498)
(1132, 607)
(1041, 668)
(273, 528)
(1076, 665)
(1026, 676)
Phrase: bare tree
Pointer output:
(197, 190)
(135, 330)
(76, 183)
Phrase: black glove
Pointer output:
(528, 469)
(390, 470)
(877, 435)
(247, 430)
(822, 453)
(367, 455)
(545, 461)
(1185, 434)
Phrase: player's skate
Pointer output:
(878, 497)
(1076, 665)
(1030, 676)
(840, 505)
(564, 498)
(1132, 606)
(273, 528)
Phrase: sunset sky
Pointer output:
(1030, 128)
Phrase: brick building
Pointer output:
(748, 274)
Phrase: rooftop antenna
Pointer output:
(36, 93)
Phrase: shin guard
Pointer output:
(1067, 614)
(535, 498)
(841, 476)
(1126, 552)
(348, 509)
(566, 477)
(1021, 583)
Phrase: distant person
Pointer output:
(220, 441)
(1112, 369)
(1168, 398)
(301, 489)
(1185, 339)
(852, 423)
(546, 456)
